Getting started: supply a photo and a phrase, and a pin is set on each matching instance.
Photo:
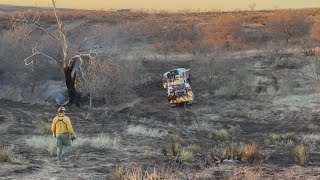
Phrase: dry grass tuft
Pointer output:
(175, 149)
(101, 142)
(202, 126)
(46, 129)
(313, 141)
(176, 138)
(119, 173)
(52, 148)
(194, 148)
(248, 152)
(7, 154)
(221, 134)
(104, 141)
(286, 138)
(186, 156)
(301, 155)
(273, 139)
(137, 173)
(234, 151)
(141, 130)
(41, 142)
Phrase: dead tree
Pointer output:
(69, 60)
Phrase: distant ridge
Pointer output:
(11, 8)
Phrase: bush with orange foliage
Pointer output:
(315, 30)
(224, 31)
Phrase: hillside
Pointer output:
(254, 116)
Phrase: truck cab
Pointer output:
(179, 92)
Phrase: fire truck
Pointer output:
(176, 75)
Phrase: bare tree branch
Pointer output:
(39, 26)
(88, 39)
(29, 60)
(305, 75)
(62, 33)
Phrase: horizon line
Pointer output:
(161, 9)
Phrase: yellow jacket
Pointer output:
(61, 124)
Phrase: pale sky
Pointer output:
(169, 4)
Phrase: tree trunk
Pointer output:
(90, 105)
(74, 96)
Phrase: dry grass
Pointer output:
(137, 173)
(144, 131)
(273, 139)
(52, 148)
(301, 155)
(43, 142)
(119, 173)
(248, 152)
(104, 141)
(186, 155)
(173, 148)
(176, 138)
(194, 148)
(47, 129)
(312, 140)
(221, 134)
(7, 154)
(203, 126)
(287, 138)
(101, 142)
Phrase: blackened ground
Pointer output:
(254, 119)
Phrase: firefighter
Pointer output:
(62, 130)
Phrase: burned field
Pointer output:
(141, 134)
(254, 112)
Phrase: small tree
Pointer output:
(212, 70)
(217, 72)
(288, 25)
(93, 80)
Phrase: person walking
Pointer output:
(63, 131)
